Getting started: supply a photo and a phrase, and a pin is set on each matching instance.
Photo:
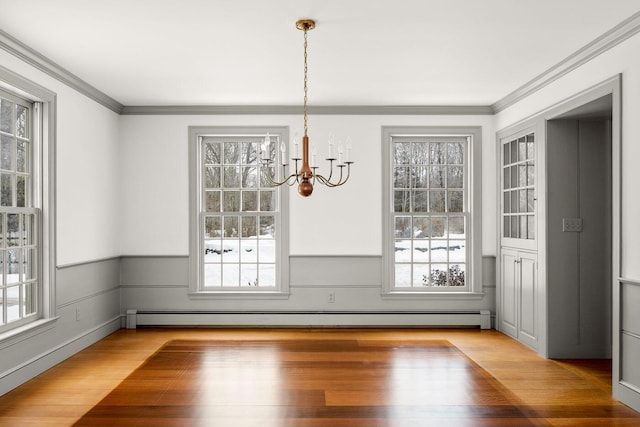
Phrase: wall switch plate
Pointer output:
(572, 225)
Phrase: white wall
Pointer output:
(341, 221)
(88, 180)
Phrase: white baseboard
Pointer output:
(481, 318)
(35, 366)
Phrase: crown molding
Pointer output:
(44, 64)
(621, 32)
(297, 109)
(608, 40)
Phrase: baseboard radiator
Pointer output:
(480, 318)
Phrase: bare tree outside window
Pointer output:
(430, 212)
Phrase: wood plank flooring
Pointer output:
(315, 377)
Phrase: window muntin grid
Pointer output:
(518, 188)
(240, 215)
(430, 214)
(19, 251)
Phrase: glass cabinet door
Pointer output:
(519, 188)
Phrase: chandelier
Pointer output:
(307, 175)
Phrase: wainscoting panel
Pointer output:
(630, 367)
(336, 271)
(155, 271)
(324, 290)
(306, 271)
(630, 335)
(627, 379)
(630, 308)
(85, 280)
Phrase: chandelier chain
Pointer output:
(306, 176)
(305, 82)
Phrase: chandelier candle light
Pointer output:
(307, 175)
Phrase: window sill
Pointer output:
(404, 295)
(24, 332)
(254, 295)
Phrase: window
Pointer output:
(431, 209)
(19, 219)
(239, 242)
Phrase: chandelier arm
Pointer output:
(339, 179)
(348, 172)
(329, 184)
(287, 180)
(340, 182)
(322, 180)
(297, 175)
(281, 183)
(330, 169)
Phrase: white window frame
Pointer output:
(197, 288)
(42, 187)
(473, 200)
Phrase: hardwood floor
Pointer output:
(323, 377)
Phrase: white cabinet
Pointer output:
(518, 300)
(519, 296)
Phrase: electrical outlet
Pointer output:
(77, 314)
(572, 225)
(332, 297)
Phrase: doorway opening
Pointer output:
(579, 231)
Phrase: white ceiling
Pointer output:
(363, 52)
